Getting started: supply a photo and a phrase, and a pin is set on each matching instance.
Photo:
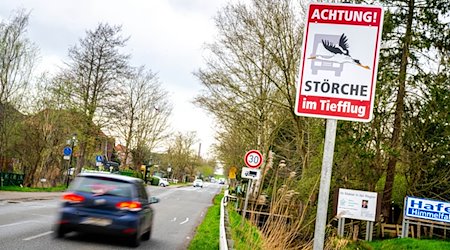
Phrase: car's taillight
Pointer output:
(129, 205)
(73, 198)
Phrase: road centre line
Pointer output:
(187, 219)
(17, 223)
(39, 235)
(43, 215)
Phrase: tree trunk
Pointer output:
(81, 156)
(396, 134)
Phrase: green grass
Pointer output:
(207, 236)
(401, 244)
(245, 235)
(409, 243)
(28, 189)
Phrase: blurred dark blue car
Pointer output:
(108, 204)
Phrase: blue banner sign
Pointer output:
(427, 209)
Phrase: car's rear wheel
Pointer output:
(162, 185)
(60, 232)
(134, 240)
(147, 235)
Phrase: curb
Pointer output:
(15, 197)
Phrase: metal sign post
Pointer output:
(246, 200)
(253, 159)
(325, 180)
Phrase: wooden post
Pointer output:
(356, 232)
(418, 230)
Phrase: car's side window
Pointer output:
(142, 193)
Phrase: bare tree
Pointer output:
(250, 81)
(93, 79)
(182, 156)
(143, 120)
(17, 57)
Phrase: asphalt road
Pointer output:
(29, 224)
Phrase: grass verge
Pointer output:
(409, 243)
(401, 244)
(245, 235)
(207, 235)
(29, 189)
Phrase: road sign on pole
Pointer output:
(253, 159)
(99, 160)
(67, 153)
(251, 173)
(337, 78)
(339, 64)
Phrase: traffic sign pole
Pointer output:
(325, 180)
(340, 53)
(253, 159)
(246, 201)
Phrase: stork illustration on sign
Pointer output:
(336, 51)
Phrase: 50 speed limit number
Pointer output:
(253, 159)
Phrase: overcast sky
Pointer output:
(167, 36)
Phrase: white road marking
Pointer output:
(187, 219)
(39, 235)
(17, 223)
(44, 215)
(174, 219)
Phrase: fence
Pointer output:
(11, 179)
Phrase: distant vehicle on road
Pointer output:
(221, 181)
(107, 204)
(198, 183)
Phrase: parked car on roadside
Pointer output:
(107, 204)
(198, 183)
(162, 181)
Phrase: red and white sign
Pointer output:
(340, 61)
(253, 159)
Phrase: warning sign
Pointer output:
(339, 64)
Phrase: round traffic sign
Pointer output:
(253, 159)
(67, 151)
(98, 158)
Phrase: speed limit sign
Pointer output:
(253, 159)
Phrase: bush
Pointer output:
(154, 181)
(132, 173)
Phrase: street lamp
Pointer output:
(72, 145)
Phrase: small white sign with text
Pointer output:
(357, 204)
